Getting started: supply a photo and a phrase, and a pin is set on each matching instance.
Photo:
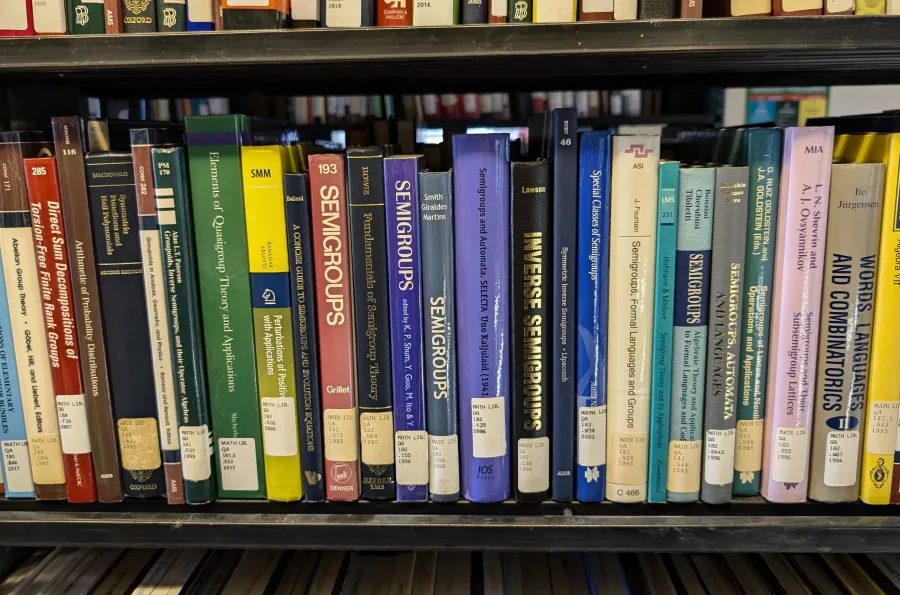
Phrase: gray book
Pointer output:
(723, 352)
(845, 330)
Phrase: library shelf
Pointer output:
(748, 525)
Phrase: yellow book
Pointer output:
(854, 579)
(869, 6)
(263, 171)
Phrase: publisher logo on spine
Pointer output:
(341, 472)
(639, 151)
(82, 17)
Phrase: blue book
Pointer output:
(482, 212)
(401, 201)
(200, 15)
(664, 302)
(593, 303)
(564, 162)
(689, 334)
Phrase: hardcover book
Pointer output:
(306, 356)
(16, 19)
(352, 13)
(86, 17)
(439, 298)
(139, 16)
(663, 326)
(69, 141)
(764, 160)
(368, 243)
(691, 9)
(784, 8)
(689, 334)
(395, 13)
(725, 315)
(49, 17)
(595, 10)
(634, 197)
(845, 6)
(255, 14)
(593, 305)
(123, 308)
(481, 193)
(306, 13)
(473, 12)
(869, 6)
(171, 16)
(845, 334)
(520, 11)
(659, 9)
(555, 11)
(625, 10)
(530, 328)
(806, 175)
(201, 15)
(432, 13)
(335, 320)
(58, 307)
(112, 16)
(214, 159)
(498, 14)
(737, 8)
(401, 184)
(190, 389)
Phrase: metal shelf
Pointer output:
(716, 52)
(750, 525)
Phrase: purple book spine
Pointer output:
(481, 192)
(401, 179)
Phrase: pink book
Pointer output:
(797, 292)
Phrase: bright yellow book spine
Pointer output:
(869, 6)
(879, 440)
(262, 170)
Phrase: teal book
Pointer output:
(689, 335)
(663, 306)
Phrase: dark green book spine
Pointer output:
(175, 224)
(171, 16)
(85, 18)
(521, 11)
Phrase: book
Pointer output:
(530, 328)
(306, 355)
(395, 13)
(335, 321)
(436, 206)
(634, 197)
(663, 326)
(723, 349)
(139, 16)
(473, 12)
(85, 17)
(123, 309)
(497, 13)
(520, 11)
(625, 10)
(255, 14)
(428, 13)
(27, 328)
(737, 8)
(55, 287)
(263, 170)
(660, 9)
(201, 15)
(845, 333)
(171, 15)
(793, 343)
(595, 10)
(351, 13)
(190, 390)
(214, 163)
(157, 316)
(844, 7)
(112, 16)
(691, 9)
(49, 17)
(764, 160)
(689, 334)
(555, 11)
(17, 19)
(563, 154)
(69, 141)
(481, 195)
(784, 8)
(869, 6)
(593, 305)
(306, 13)
(401, 189)
(369, 266)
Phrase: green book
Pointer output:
(85, 17)
(214, 156)
(171, 16)
(173, 210)
(520, 11)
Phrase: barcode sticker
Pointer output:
(237, 457)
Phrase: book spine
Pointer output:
(659, 9)
(632, 253)
(764, 159)
(49, 17)
(158, 320)
(17, 19)
(350, 13)
(497, 11)
(846, 6)
(848, 295)
(784, 8)
(663, 327)
(91, 342)
(593, 304)
(139, 17)
(86, 17)
(530, 328)
(432, 13)
(395, 13)
(555, 11)
(473, 12)
(564, 160)
(336, 350)
(806, 167)
(306, 356)
(481, 188)
(625, 10)
(520, 11)
(368, 243)
(689, 335)
(722, 363)
(263, 177)
(220, 230)
(182, 296)
(305, 13)
(439, 297)
(112, 16)
(401, 183)
(595, 10)
(171, 15)
(201, 15)
(117, 248)
(58, 306)
(691, 9)
(255, 15)
(869, 7)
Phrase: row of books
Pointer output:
(69, 571)
(77, 17)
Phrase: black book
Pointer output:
(139, 16)
(530, 328)
(657, 9)
(473, 12)
(368, 245)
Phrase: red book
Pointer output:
(59, 318)
(112, 16)
(16, 18)
(395, 13)
(331, 251)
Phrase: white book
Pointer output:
(891, 7)
(13, 15)
(49, 16)
(554, 11)
(343, 13)
(305, 10)
(433, 13)
(632, 255)
(625, 10)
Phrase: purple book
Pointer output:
(401, 193)
(481, 192)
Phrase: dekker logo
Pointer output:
(639, 151)
(814, 149)
(268, 297)
(341, 472)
